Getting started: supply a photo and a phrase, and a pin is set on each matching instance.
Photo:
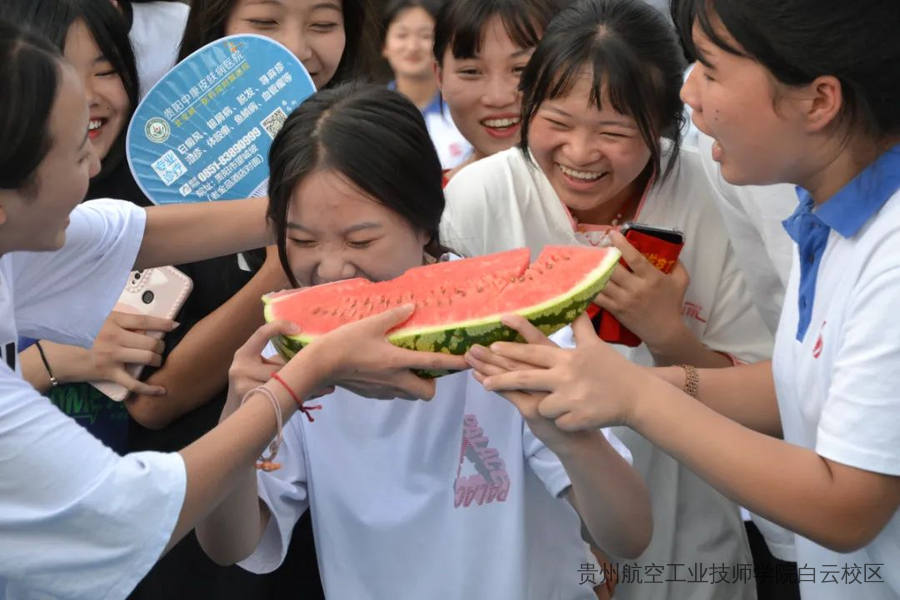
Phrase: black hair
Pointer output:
(634, 56)
(799, 40)
(394, 7)
(460, 24)
(207, 18)
(29, 82)
(53, 18)
(375, 138)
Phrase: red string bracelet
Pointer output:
(304, 409)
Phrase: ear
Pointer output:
(4, 200)
(438, 75)
(825, 101)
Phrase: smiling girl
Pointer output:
(408, 44)
(784, 103)
(94, 39)
(465, 496)
(481, 48)
(600, 146)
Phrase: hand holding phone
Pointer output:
(158, 292)
(661, 247)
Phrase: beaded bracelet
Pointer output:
(691, 380)
(266, 463)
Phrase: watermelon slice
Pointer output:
(458, 303)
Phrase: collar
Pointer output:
(858, 201)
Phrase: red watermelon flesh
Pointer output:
(458, 303)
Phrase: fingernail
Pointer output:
(478, 351)
(160, 391)
(293, 328)
(175, 324)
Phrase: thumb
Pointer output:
(257, 342)
(583, 330)
(392, 317)
(680, 275)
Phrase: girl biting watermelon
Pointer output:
(356, 192)
(785, 103)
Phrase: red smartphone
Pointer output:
(661, 247)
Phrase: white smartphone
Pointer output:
(158, 292)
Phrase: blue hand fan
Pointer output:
(203, 132)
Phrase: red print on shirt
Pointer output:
(693, 311)
(491, 482)
(817, 349)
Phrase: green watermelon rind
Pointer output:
(549, 316)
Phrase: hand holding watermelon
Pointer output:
(358, 357)
(585, 387)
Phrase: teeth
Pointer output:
(585, 175)
(496, 123)
(95, 125)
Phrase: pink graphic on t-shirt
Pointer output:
(491, 482)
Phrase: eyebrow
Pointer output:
(521, 52)
(348, 230)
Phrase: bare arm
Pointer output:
(184, 233)
(745, 393)
(618, 515)
(219, 463)
(835, 505)
(197, 369)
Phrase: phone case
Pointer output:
(158, 292)
(661, 247)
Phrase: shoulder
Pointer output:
(150, 16)
(501, 174)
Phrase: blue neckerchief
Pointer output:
(846, 212)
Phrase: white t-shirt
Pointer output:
(451, 146)
(76, 519)
(752, 215)
(451, 498)
(504, 202)
(156, 31)
(838, 391)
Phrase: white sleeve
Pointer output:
(467, 212)
(860, 422)
(284, 492)
(76, 519)
(547, 466)
(66, 295)
(735, 325)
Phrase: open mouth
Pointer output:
(95, 126)
(501, 126)
(579, 176)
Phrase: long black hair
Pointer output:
(374, 137)
(799, 40)
(29, 81)
(634, 56)
(52, 19)
(460, 24)
(206, 23)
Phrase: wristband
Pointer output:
(53, 380)
(304, 409)
(266, 463)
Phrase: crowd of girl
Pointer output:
(506, 124)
